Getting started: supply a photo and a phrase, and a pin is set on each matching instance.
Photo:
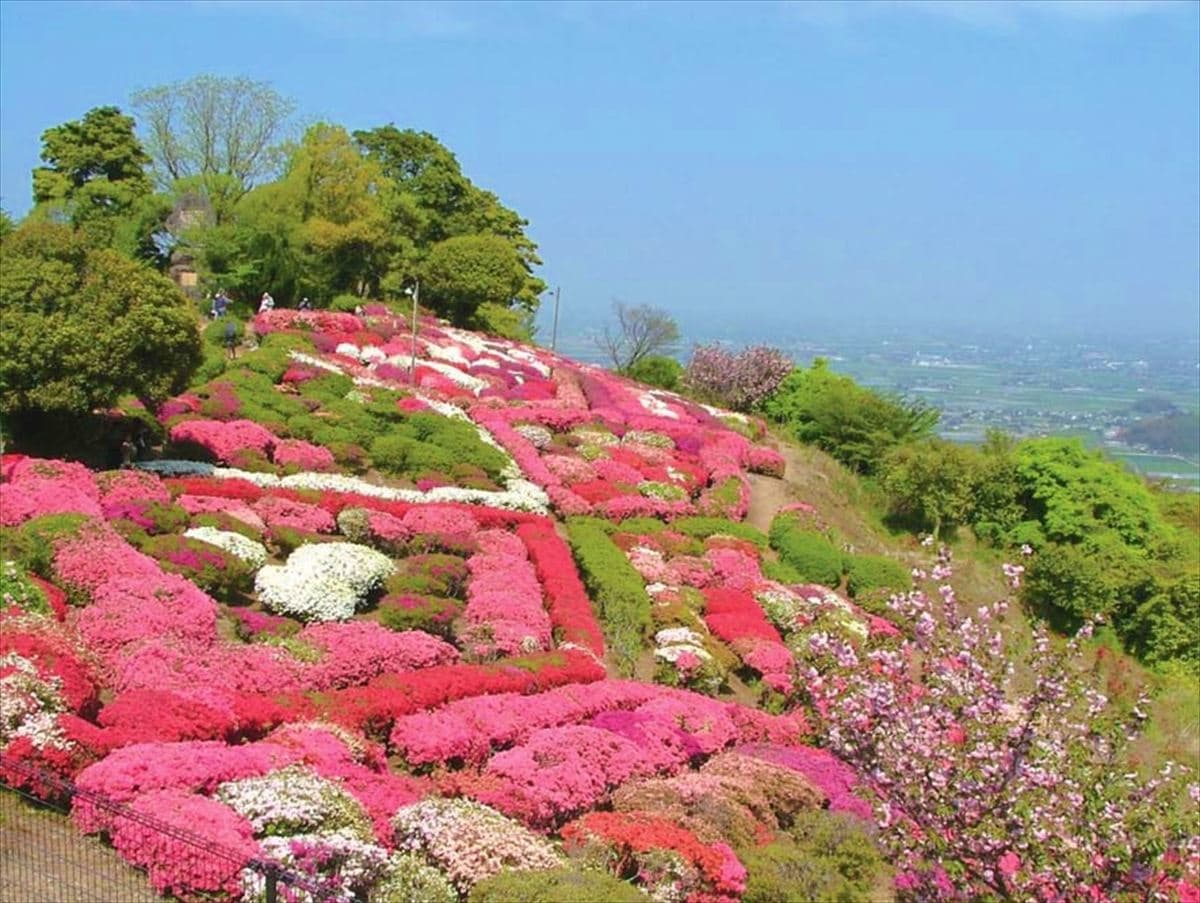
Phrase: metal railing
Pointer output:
(43, 857)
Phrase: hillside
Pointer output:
(394, 624)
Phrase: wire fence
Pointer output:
(43, 857)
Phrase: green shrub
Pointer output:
(875, 573)
(408, 611)
(780, 572)
(17, 589)
(32, 544)
(657, 370)
(433, 574)
(345, 303)
(223, 576)
(410, 878)
(809, 553)
(825, 856)
(704, 527)
(562, 885)
(617, 588)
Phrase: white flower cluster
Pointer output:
(323, 581)
(656, 405)
(519, 494)
(649, 437)
(295, 800)
(538, 435)
(675, 641)
(593, 436)
(350, 867)
(30, 704)
(452, 373)
(470, 841)
(312, 361)
(450, 353)
(243, 547)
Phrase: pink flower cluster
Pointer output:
(504, 613)
(224, 439)
(570, 610)
(35, 487)
(301, 455)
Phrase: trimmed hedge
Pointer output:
(561, 885)
(868, 574)
(809, 553)
(617, 588)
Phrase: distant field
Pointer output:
(1170, 466)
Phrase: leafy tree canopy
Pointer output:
(83, 327)
(463, 273)
(95, 173)
(226, 134)
(856, 425)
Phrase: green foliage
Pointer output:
(83, 328)
(868, 573)
(617, 588)
(31, 545)
(433, 201)
(219, 135)
(781, 572)
(931, 484)
(1165, 629)
(1074, 493)
(856, 425)
(220, 574)
(824, 856)
(464, 272)
(17, 589)
(809, 553)
(410, 878)
(562, 885)
(95, 173)
(704, 527)
(657, 370)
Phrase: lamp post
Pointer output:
(415, 294)
(554, 329)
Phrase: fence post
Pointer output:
(272, 884)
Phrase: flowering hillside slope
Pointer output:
(337, 627)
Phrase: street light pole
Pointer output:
(415, 291)
(554, 332)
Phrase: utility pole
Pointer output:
(554, 332)
(415, 292)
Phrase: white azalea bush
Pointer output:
(334, 866)
(295, 800)
(409, 879)
(242, 547)
(470, 841)
(323, 581)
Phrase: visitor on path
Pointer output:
(128, 450)
(305, 304)
(220, 304)
(267, 303)
(231, 338)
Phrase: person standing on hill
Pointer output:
(231, 338)
(267, 303)
(220, 304)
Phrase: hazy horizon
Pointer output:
(933, 166)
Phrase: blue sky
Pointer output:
(1031, 166)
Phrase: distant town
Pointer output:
(1136, 397)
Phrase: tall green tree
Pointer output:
(223, 135)
(435, 201)
(94, 173)
(931, 484)
(466, 275)
(83, 327)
